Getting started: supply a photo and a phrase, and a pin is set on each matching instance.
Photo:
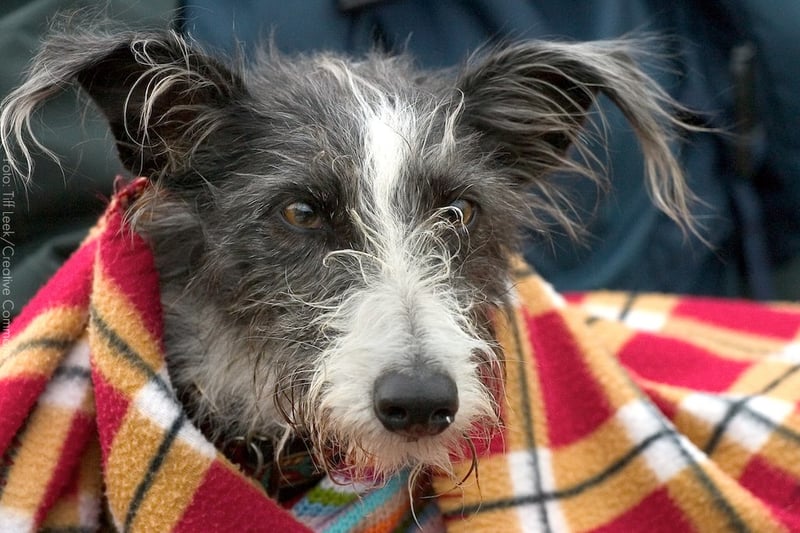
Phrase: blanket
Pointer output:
(622, 412)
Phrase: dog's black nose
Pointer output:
(415, 405)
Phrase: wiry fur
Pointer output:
(273, 331)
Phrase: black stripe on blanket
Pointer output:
(152, 469)
(126, 352)
(741, 405)
(7, 460)
(530, 437)
(46, 343)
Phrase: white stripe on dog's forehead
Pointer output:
(386, 150)
(387, 139)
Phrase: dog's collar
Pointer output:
(291, 475)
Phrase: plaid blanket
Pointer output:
(624, 413)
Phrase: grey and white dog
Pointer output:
(332, 236)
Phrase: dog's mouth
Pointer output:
(417, 433)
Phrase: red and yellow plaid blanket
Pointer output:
(624, 413)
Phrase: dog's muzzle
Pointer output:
(415, 405)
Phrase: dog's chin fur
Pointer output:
(418, 184)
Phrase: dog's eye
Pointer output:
(461, 212)
(303, 216)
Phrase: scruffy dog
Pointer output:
(333, 236)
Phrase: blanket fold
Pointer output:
(623, 412)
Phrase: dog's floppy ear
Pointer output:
(160, 95)
(529, 102)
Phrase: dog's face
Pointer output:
(333, 237)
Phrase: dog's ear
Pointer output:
(529, 103)
(161, 95)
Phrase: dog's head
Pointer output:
(334, 236)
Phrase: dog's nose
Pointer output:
(415, 405)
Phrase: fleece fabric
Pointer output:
(622, 412)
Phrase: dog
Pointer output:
(333, 236)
